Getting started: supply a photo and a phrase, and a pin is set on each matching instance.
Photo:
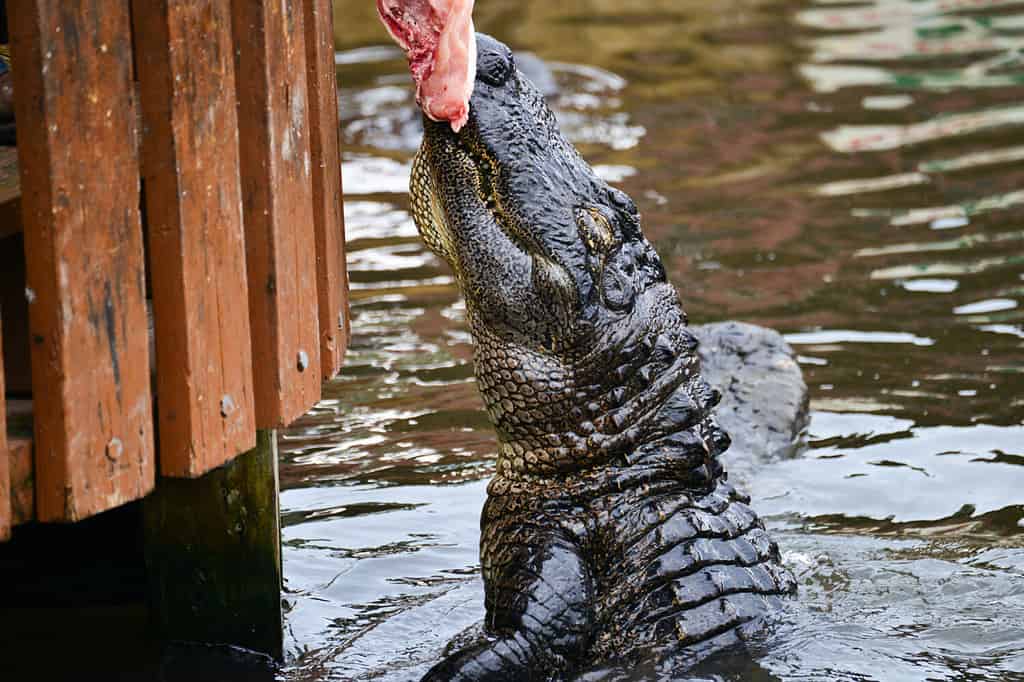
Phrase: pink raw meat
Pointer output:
(439, 40)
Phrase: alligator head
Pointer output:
(582, 352)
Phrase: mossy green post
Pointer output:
(213, 553)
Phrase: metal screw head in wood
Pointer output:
(114, 449)
(227, 406)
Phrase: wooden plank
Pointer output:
(83, 242)
(273, 122)
(5, 457)
(213, 554)
(196, 242)
(328, 218)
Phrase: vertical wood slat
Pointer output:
(83, 239)
(5, 455)
(273, 124)
(190, 157)
(329, 221)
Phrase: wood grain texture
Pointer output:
(5, 457)
(273, 126)
(83, 239)
(329, 220)
(196, 240)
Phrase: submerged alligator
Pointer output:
(609, 532)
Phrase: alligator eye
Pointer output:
(494, 61)
(595, 229)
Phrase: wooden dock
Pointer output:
(172, 275)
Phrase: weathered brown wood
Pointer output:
(5, 457)
(329, 221)
(196, 242)
(273, 124)
(83, 240)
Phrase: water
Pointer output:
(850, 174)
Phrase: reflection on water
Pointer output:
(849, 173)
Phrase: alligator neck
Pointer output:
(666, 427)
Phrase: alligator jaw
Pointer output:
(580, 342)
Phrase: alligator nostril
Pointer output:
(494, 61)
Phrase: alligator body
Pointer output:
(610, 532)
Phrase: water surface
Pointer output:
(851, 174)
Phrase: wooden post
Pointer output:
(213, 553)
(329, 220)
(273, 124)
(80, 207)
(196, 242)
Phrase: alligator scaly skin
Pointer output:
(610, 533)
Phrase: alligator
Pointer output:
(610, 532)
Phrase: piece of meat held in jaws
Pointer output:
(439, 41)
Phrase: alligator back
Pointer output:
(674, 574)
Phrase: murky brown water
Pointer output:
(852, 175)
